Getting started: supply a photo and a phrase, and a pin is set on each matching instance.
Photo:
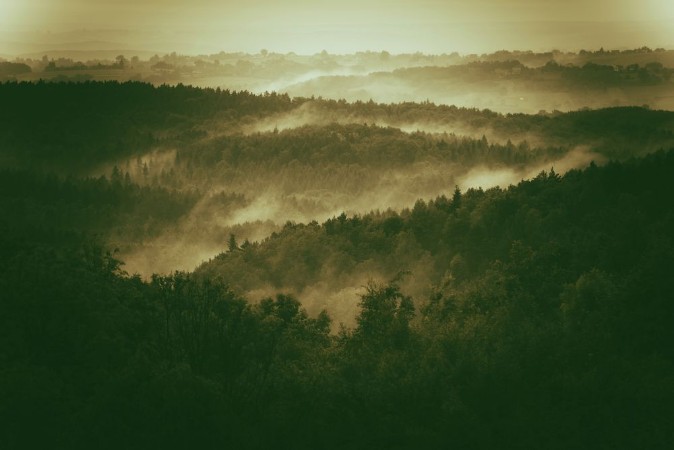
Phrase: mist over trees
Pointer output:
(249, 163)
(554, 292)
(215, 268)
(504, 81)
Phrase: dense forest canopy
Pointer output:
(245, 164)
(551, 302)
(216, 268)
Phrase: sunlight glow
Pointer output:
(25, 16)
(310, 26)
(8, 12)
(663, 9)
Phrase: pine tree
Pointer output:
(231, 244)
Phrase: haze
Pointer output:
(302, 26)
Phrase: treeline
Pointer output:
(508, 86)
(354, 157)
(461, 236)
(549, 326)
(13, 68)
(53, 209)
(588, 75)
(368, 146)
(187, 166)
(82, 124)
(78, 126)
(270, 65)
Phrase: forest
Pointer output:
(214, 268)
(503, 81)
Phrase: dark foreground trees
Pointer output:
(551, 328)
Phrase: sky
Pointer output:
(344, 26)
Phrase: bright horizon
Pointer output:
(308, 27)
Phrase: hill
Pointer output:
(548, 322)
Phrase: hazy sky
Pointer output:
(308, 26)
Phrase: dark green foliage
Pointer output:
(555, 304)
(9, 68)
(79, 125)
(552, 328)
(548, 324)
(385, 315)
(39, 206)
(76, 127)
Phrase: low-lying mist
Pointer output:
(485, 177)
(262, 196)
(537, 131)
(500, 95)
(191, 174)
(275, 199)
(504, 81)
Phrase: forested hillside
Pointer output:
(185, 267)
(547, 322)
(226, 162)
(77, 126)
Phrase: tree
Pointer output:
(232, 246)
(121, 61)
(9, 68)
(456, 198)
(385, 313)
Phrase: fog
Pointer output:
(283, 84)
(505, 96)
(314, 113)
(253, 173)
(508, 82)
(358, 223)
(271, 200)
(484, 177)
(260, 199)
